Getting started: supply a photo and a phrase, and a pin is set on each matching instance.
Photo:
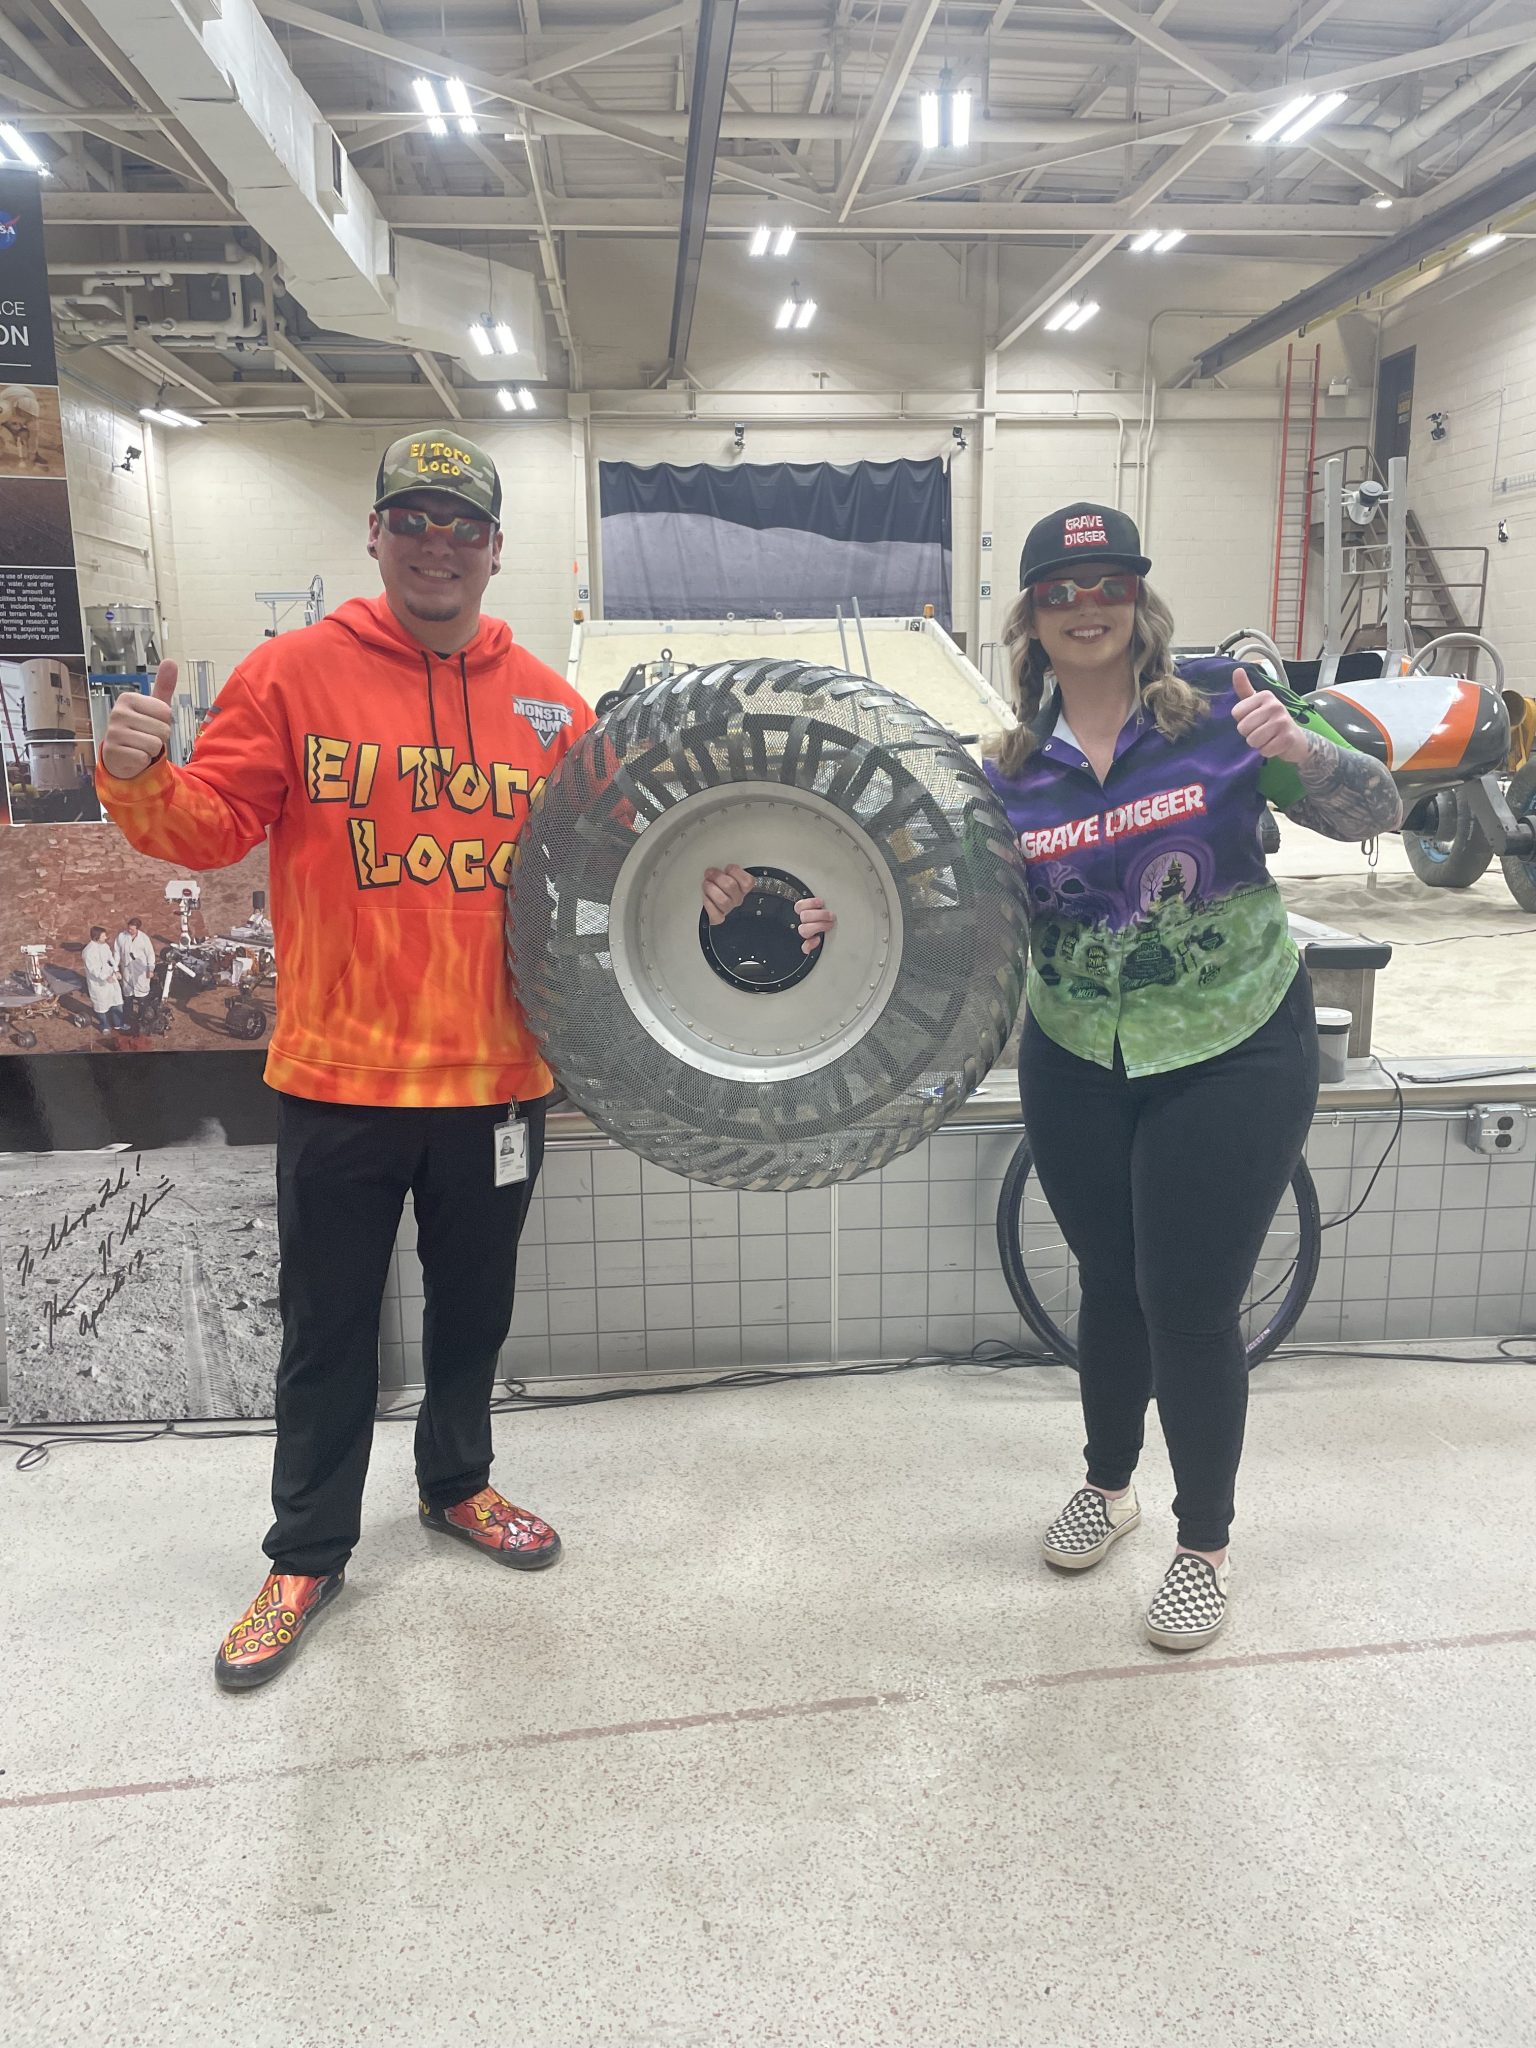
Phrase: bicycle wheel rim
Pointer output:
(1041, 1272)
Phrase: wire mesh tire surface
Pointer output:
(1042, 1274)
(828, 786)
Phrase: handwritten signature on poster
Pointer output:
(109, 1270)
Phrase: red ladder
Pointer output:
(1293, 520)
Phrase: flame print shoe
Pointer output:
(491, 1523)
(1190, 1606)
(266, 1638)
(1088, 1527)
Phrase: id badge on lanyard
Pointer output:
(511, 1156)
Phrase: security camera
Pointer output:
(958, 434)
(1439, 426)
(1362, 504)
(740, 432)
(1504, 529)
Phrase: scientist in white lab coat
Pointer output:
(102, 982)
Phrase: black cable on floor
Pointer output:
(991, 1356)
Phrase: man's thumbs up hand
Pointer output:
(139, 728)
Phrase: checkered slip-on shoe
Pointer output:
(1190, 1606)
(1087, 1527)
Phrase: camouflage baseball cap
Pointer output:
(439, 462)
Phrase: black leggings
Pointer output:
(1164, 1188)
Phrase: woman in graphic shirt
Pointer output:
(1169, 1066)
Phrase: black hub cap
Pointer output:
(758, 947)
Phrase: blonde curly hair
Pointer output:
(1174, 704)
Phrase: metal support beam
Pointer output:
(293, 358)
(1236, 107)
(1224, 81)
(711, 63)
(914, 27)
(432, 371)
(516, 91)
(170, 368)
(1078, 266)
(731, 214)
(549, 256)
(1437, 231)
(593, 49)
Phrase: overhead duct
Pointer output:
(227, 81)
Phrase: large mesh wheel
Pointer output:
(1042, 1273)
(724, 1053)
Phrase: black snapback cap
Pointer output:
(1078, 537)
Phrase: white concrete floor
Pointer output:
(800, 1745)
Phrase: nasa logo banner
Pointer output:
(26, 315)
(46, 746)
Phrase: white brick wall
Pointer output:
(268, 507)
(1476, 362)
(108, 505)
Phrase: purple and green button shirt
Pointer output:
(1154, 920)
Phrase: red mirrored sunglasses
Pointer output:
(414, 525)
(1061, 593)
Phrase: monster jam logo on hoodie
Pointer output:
(548, 720)
(1146, 814)
(1085, 531)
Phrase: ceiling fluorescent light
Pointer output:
(960, 120)
(506, 340)
(760, 241)
(426, 99)
(785, 243)
(1170, 240)
(526, 399)
(1083, 315)
(20, 148)
(505, 399)
(481, 339)
(1315, 116)
(1383, 202)
(1282, 117)
(1485, 242)
(1145, 240)
(459, 100)
(787, 314)
(806, 313)
(1061, 315)
(178, 419)
(928, 117)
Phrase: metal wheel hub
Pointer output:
(751, 1028)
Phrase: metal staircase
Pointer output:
(1447, 587)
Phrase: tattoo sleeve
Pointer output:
(1348, 795)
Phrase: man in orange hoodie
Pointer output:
(389, 755)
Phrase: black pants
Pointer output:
(1164, 1188)
(343, 1173)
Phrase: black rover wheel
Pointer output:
(723, 1052)
(1449, 850)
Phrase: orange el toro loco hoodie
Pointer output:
(393, 784)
